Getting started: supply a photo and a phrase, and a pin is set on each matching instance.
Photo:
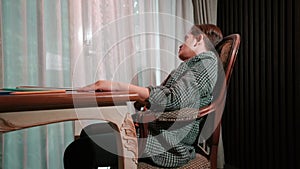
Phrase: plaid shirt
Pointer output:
(170, 144)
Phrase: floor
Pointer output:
(227, 166)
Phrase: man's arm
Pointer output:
(106, 85)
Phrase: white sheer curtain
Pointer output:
(131, 41)
(35, 51)
(162, 26)
(76, 42)
(122, 40)
(205, 11)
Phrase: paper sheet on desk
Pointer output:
(44, 88)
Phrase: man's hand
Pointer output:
(106, 85)
(100, 85)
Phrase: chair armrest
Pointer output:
(185, 114)
(142, 118)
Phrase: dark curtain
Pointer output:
(261, 118)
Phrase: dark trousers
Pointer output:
(96, 147)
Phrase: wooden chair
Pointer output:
(227, 49)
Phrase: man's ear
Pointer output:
(198, 39)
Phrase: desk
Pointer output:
(23, 111)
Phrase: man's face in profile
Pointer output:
(186, 49)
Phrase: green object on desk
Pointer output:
(10, 91)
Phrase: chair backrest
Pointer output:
(227, 49)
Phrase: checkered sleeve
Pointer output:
(191, 86)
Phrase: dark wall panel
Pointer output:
(261, 115)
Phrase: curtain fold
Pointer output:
(35, 52)
(261, 118)
(205, 11)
